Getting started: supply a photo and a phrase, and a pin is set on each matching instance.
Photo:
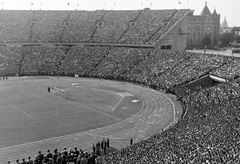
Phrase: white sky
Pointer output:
(228, 8)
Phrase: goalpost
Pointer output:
(61, 92)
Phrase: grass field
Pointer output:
(30, 113)
(86, 111)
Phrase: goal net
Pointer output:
(61, 92)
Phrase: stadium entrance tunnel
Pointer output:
(205, 81)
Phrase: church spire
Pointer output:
(214, 12)
(205, 10)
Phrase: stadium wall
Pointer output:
(176, 36)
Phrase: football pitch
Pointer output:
(76, 113)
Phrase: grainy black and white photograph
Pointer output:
(119, 82)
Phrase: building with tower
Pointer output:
(225, 23)
(205, 26)
(224, 27)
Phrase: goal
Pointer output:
(61, 92)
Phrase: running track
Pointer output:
(158, 113)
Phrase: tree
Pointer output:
(206, 41)
(226, 38)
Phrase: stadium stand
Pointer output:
(81, 60)
(230, 70)
(12, 19)
(86, 21)
(132, 27)
(113, 25)
(41, 60)
(48, 26)
(10, 58)
(207, 133)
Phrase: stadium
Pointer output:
(118, 75)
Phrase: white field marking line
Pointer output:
(102, 136)
(134, 130)
(164, 103)
(49, 102)
(95, 110)
(164, 116)
(174, 109)
(81, 105)
(131, 130)
(155, 110)
(126, 120)
(117, 103)
(55, 139)
(157, 106)
(160, 119)
(40, 141)
(56, 109)
(159, 109)
(88, 84)
(131, 117)
(107, 91)
(114, 93)
(156, 113)
(146, 116)
(52, 77)
(17, 109)
(79, 86)
(44, 99)
(61, 115)
(79, 134)
(153, 100)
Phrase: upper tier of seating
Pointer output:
(100, 26)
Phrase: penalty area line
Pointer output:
(118, 103)
(17, 109)
(95, 110)
(44, 99)
(122, 96)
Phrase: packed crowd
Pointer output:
(146, 24)
(81, 60)
(87, 21)
(152, 67)
(113, 25)
(47, 26)
(8, 23)
(68, 156)
(205, 116)
(10, 58)
(136, 26)
(119, 61)
(208, 133)
(41, 60)
(230, 70)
